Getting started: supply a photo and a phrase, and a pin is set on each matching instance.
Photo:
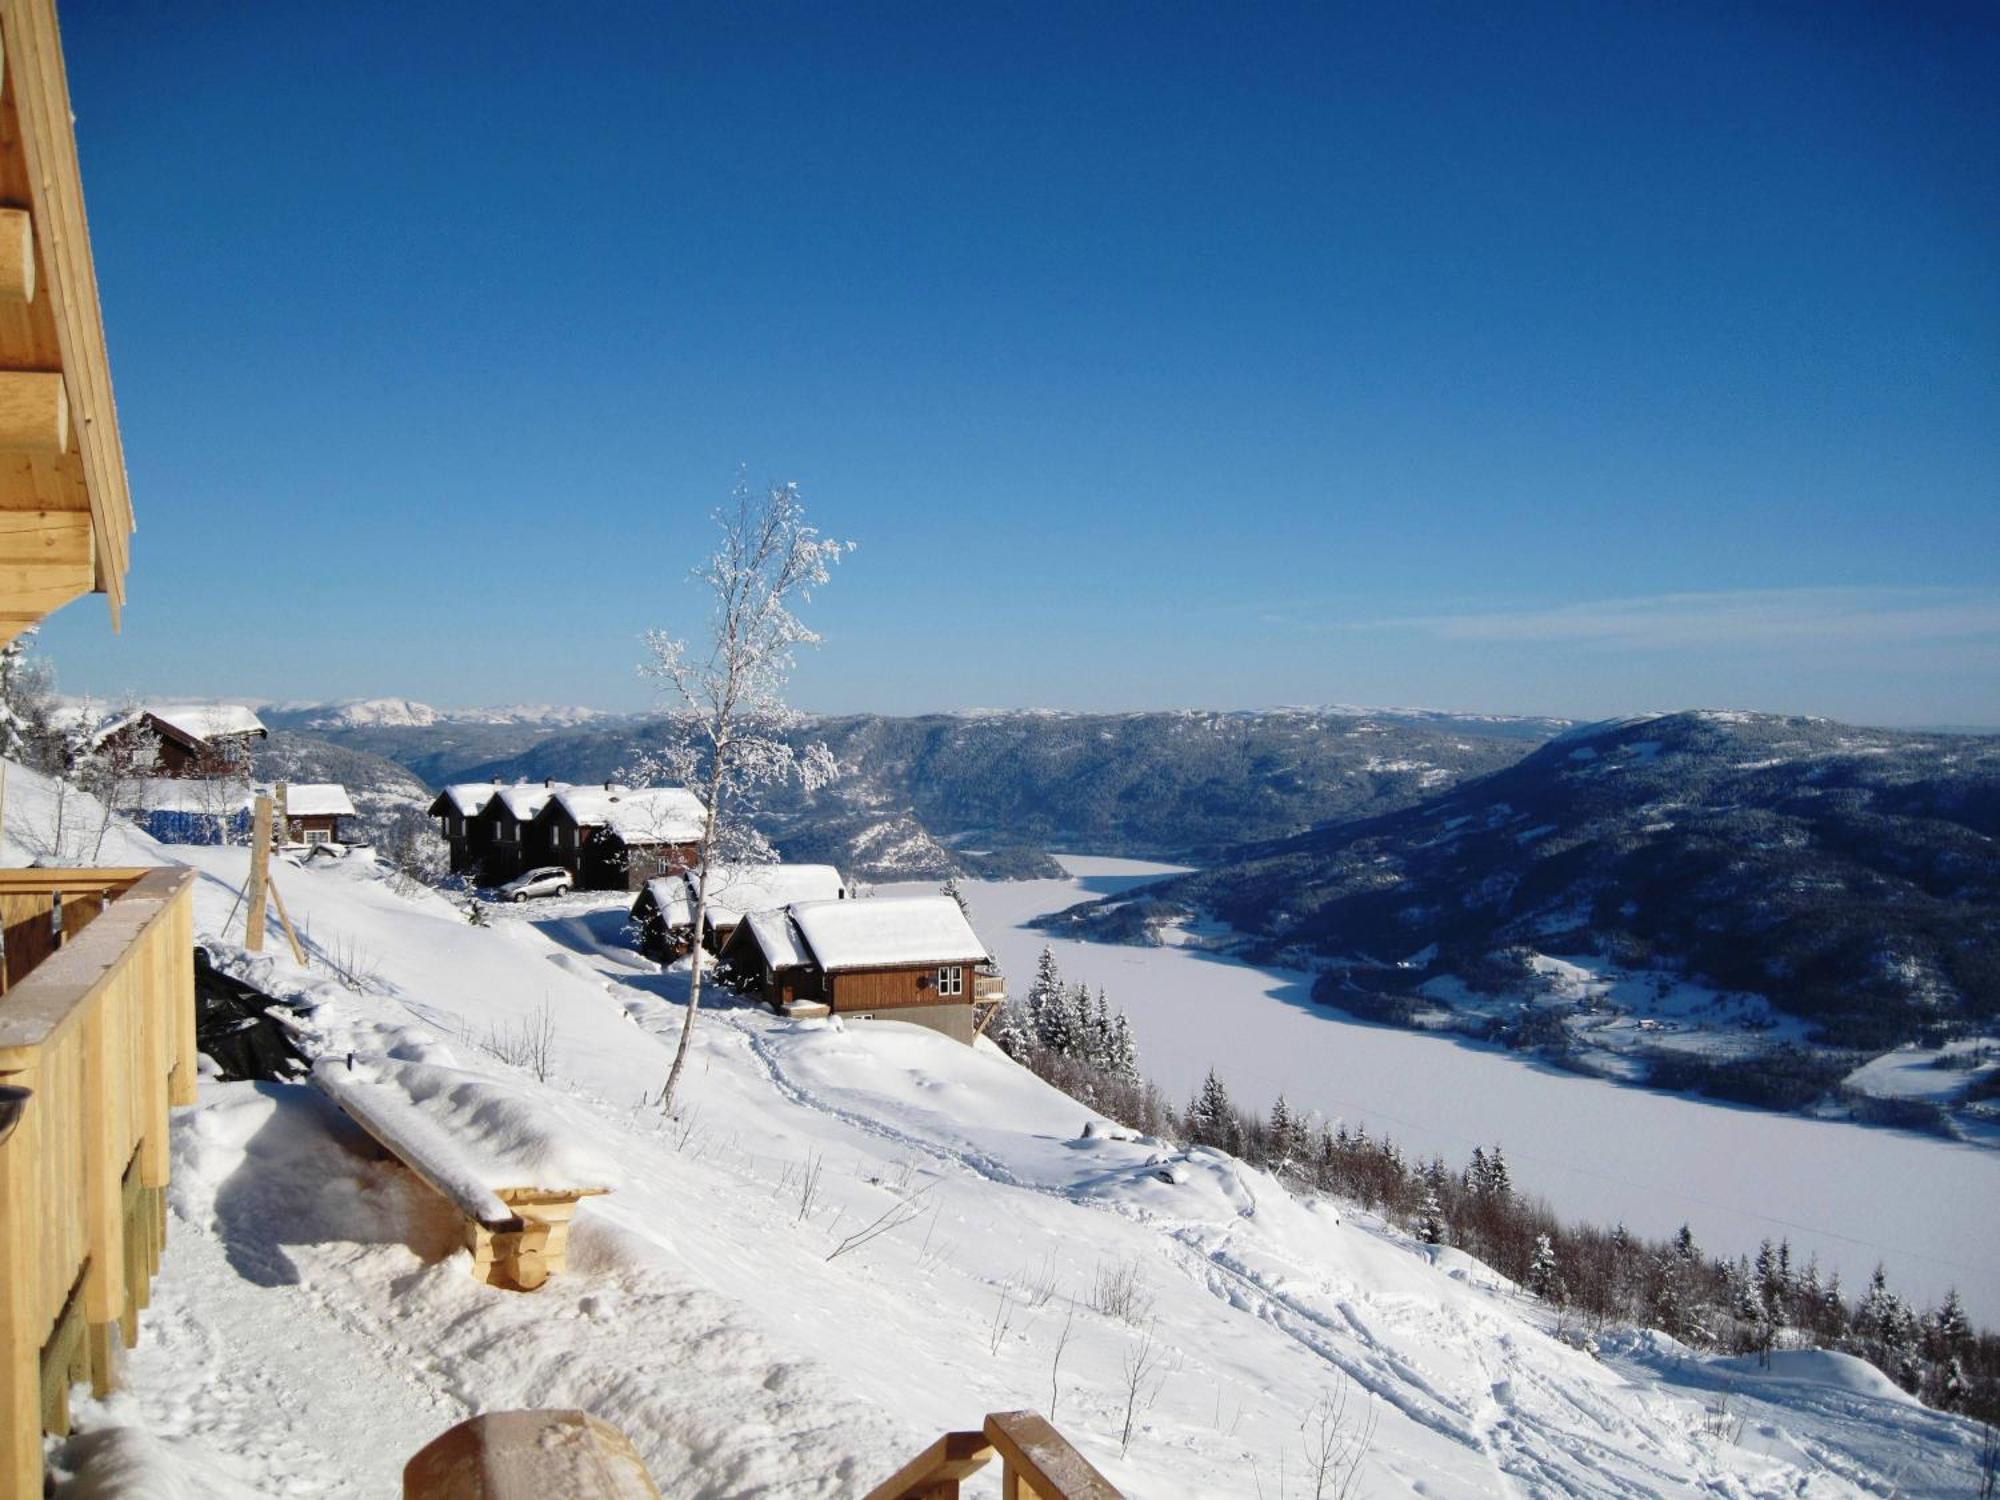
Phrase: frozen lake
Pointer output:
(1927, 1208)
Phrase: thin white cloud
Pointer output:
(1747, 617)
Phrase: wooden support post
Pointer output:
(285, 921)
(260, 870)
(281, 799)
(107, 1084)
(20, 1335)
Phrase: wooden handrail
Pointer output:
(1037, 1462)
(60, 989)
(69, 881)
(934, 1473)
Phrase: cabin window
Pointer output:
(454, 827)
(951, 979)
(506, 833)
(318, 836)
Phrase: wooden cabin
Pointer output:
(889, 958)
(313, 810)
(97, 1021)
(664, 912)
(504, 829)
(195, 740)
(458, 808)
(616, 838)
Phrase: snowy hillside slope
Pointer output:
(315, 1322)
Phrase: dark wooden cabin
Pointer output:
(614, 838)
(504, 828)
(910, 958)
(458, 808)
(194, 739)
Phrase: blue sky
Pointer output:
(1573, 358)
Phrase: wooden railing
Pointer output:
(1036, 1463)
(97, 1022)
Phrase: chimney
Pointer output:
(548, 781)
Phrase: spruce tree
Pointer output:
(1545, 1278)
(1044, 997)
(1124, 1050)
(1281, 1135)
(1211, 1118)
(1430, 1216)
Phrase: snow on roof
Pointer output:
(317, 799)
(524, 800)
(734, 891)
(469, 796)
(777, 939)
(206, 721)
(637, 815)
(885, 931)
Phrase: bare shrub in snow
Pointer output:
(894, 1217)
(728, 720)
(1120, 1292)
(528, 1044)
(1336, 1441)
(1143, 1380)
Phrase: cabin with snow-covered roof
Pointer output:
(194, 739)
(889, 958)
(664, 912)
(504, 829)
(457, 809)
(616, 838)
(313, 810)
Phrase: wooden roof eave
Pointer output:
(57, 327)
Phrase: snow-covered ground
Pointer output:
(1851, 1194)
(729, 1306)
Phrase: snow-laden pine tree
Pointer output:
(1499, 1181)
(729, 726)
(1044, 997)
(1013, 1030)
(1211, 1118)
(1281, 1135)
(1430, 1217)
(1545, 1277)
(1124, 1050)
(956, 891)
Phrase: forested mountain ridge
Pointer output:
(922, 795)
(1850, 876)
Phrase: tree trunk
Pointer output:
(696, 955)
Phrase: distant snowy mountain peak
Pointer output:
(408, 713)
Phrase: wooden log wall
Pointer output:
(102, 1031)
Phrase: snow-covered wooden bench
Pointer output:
(519, 1236)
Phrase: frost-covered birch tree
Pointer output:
(730, 732)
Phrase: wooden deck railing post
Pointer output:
(20, 1335)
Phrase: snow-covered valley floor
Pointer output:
(315, 1321)
(1599, 1152)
